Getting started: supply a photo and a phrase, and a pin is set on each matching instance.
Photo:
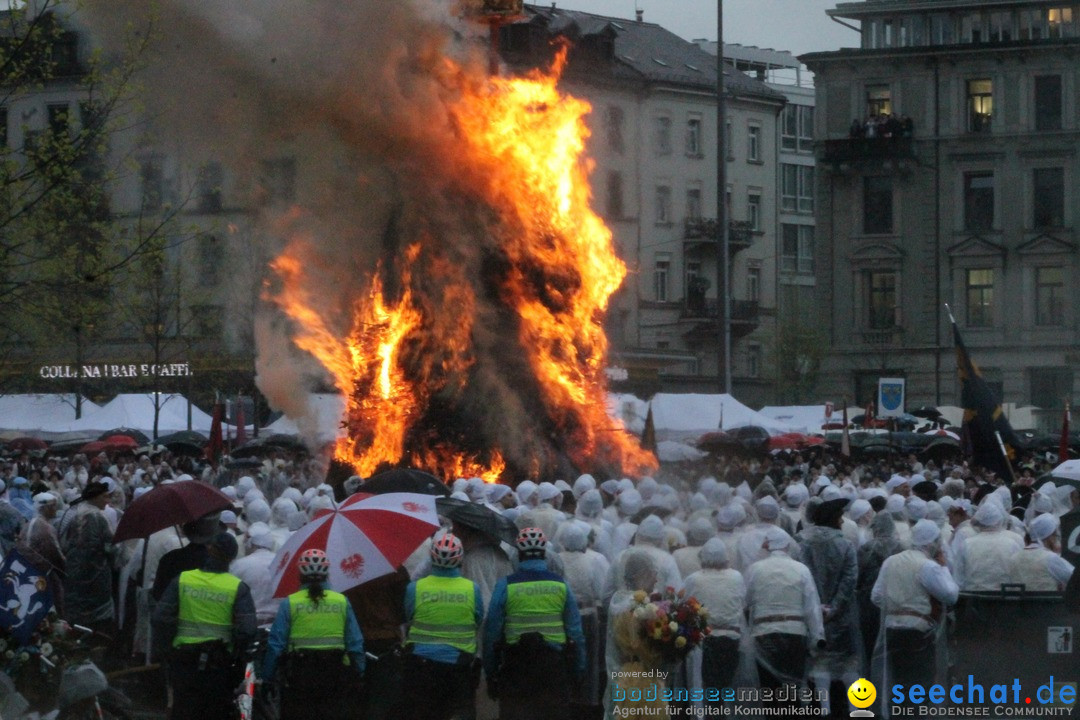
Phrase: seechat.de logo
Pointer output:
(862, 695)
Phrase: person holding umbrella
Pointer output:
(316, 630)
(444, 612)
(207, 617)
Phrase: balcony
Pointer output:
(704, 314)
(848, 153)
(702, 232)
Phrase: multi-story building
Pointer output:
(654, 142)
(796, 347)
(948, 174)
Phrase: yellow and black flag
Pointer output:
(987, 436)
(648, 435)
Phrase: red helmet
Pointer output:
(446, 552)
(531, 541)
(313, 564)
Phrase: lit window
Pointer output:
(1049, 296)
(980, 105)
(980, 297)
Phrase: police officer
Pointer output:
(444, 611)
(318, 632)
(207, 618)
(532, 638)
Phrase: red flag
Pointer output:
(845, 444)
(216, 444)
(241, 430)
(868, 419)
(1063, 448)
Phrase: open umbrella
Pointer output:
(26, 444)
(478, 517)
(1068, 470)
(404, 480)
(138, 436)
(120, 442)
(366, 537)
(167, 505)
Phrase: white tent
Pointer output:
(37, 414)
(689, 416)
(806, 419)
(136, 411)
(322, 422)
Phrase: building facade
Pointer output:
(947, 175)
(654, 142)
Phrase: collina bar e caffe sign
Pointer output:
(114, 370)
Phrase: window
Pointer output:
(1001, 26)
(694, 147)
(881, 302)
(1049, 296)
(797, 128)
(978, 201)
(753, 284)
(753, 211)
(663, 135)
(208, 188)
(753, 144)
(660, 278)
(614, 194)
(980, 105)
(942, 30)
(59, 119)
(1032, 24)
(1059, 22)
(693, 271)
(663, 205)
(615, 122)
(1051, 386)
(206, 320)
(797, 249)
(152, 179)
(877, 205)
(1048, 102)
(971, 28)
(693, 203)
(279, 180)
(797, 188)
(979, 289)
(211, 255)
(753, 361)
(878, 100)
(1048, 197)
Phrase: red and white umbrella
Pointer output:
(366, 537)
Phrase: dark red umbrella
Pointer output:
(167, 505)
(121, 442)
(93, 448)
(25, 444)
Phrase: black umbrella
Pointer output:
(184, 436)
(249, 463)
(265, 443)
(404, 480)
(751, 437)
(927, 411)
(138, 436)
(478, 517)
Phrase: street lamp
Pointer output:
(723, 269)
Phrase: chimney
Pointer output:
(640, 14)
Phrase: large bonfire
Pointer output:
(490, 363)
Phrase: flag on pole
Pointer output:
(1063, 447)
(648, 435)
(983, 419)
(845, 443)
(241, 427)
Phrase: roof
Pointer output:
(647, 52)
(889, 7)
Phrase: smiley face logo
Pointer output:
(862, 693)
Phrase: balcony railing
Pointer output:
(742, 311)
(861, 150)
(740, 232)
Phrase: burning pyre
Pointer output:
(476, 347)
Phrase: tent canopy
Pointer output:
(806, 419)
(136, 411)
(322, 422)
(34, 414)
(688, 416)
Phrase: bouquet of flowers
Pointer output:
(670, 622)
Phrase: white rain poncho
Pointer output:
(697, 534)
(586, 572)
(649, 537)
(982, 560)
(254, 569)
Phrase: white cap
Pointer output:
(767, 508)
(858, 508)
(730, 516)
(44, 498)
(796, 494)
(259, 536)
(584, 484)
(228, 517)
(831, 492)
(548, 491)
(713, 553)
(1043, 526)
(651, 530)
(896, 481)
(139, 492)
(496, 492)
(629, 502)
(777, 539)
(916, 508)
(525, 490)
(990, 513)
(894, 504)
(924, 533)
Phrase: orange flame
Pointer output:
(521, 153)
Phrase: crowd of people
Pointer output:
(882, 125)
(813, 572)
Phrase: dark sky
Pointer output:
(799, 26)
